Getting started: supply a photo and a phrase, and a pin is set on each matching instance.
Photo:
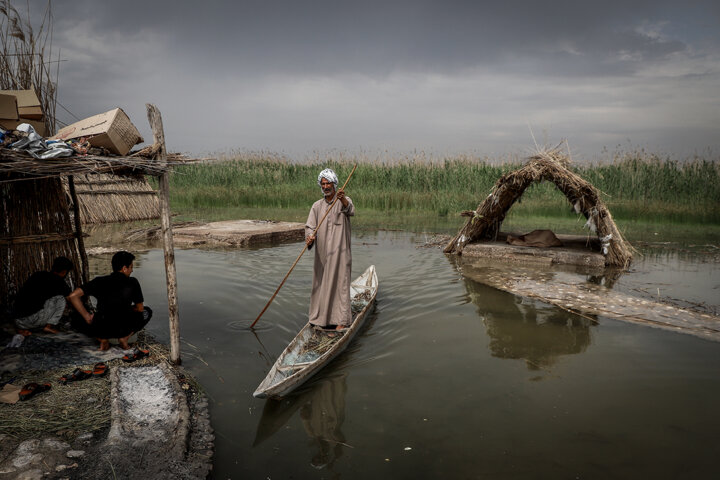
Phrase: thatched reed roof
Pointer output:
(108, 198)
(17, 166)
(551, 166)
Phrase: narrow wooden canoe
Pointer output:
(313, 348)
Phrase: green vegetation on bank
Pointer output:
(637, 188)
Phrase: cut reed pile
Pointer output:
(319, 343)
(66, 410)
(550, 166)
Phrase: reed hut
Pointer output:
(38, 207)
(552, 166)
(36, 224)
(106, 198)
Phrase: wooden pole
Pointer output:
(303, 250)
(78, 232)
(168, 247)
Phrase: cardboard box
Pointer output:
(8, 107)
(28, 104)
(112, 130)
(12, 125)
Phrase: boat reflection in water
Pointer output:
(322, 411)
(522, 328)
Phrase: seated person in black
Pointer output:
(120, 311)
(41, 300)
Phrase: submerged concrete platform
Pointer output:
(576, 250)
(239, 233)
(569, 289)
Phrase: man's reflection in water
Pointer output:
(322, 414)
(527, 329)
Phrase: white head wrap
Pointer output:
(328, 175)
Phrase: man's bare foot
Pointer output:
(49, 329)
(124, 342)
(104, 344)
(23, 332)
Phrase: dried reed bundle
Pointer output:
(551, 166)
(319, 343)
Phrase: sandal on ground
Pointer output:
(32, 389)
(99, 370)
(137, 354)
(75, 376)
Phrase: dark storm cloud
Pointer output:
(381, 37)
(446, 75)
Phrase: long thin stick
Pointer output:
(155, 120)
(303, 250)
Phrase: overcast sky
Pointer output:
(446, 77)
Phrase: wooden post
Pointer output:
(164, 195)
(78, 232)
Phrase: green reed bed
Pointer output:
(637, 187)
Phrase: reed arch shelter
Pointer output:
(481, 233)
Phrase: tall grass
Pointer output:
(26, 57)
(636, 186)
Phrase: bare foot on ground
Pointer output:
(23, 332)
(124, 342)
(49, 329)
(104, 344)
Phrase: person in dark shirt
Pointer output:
(120, 311)
(41, 300)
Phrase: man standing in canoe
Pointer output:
(330, 297)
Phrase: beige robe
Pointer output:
(330, 297)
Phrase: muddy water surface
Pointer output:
(450, 378)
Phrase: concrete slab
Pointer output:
(156, 431)
(148, 408)
(577, 250)
(239, 233)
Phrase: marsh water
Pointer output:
(449, 378)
